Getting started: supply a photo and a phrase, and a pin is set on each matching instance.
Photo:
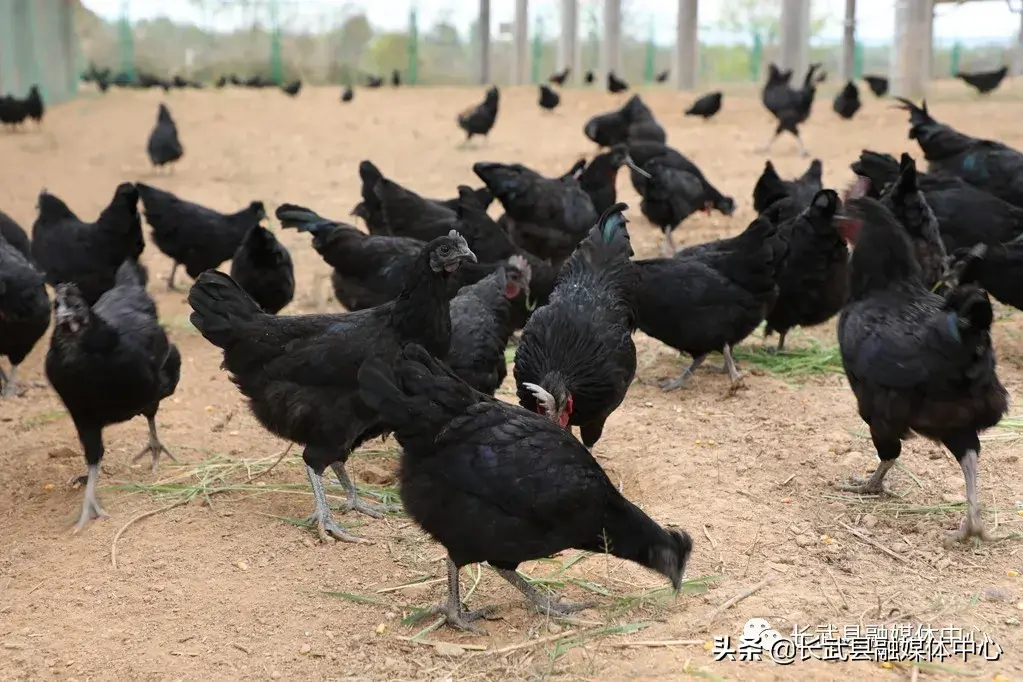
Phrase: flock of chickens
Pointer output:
(436, 288)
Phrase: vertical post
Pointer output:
(413, 47)
(537, 51)
(755, 58)
(953, 65)
(611, 48)
(908, 70)
(687, 46)
(1017, 62)
(858, 62)
(926, 22)
(849, 42)
(568, 42)
(520, 43)
(795, 36)
(276, 63)
(127, 41)
(650, 57)
(483, 31)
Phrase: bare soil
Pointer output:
(228, 587)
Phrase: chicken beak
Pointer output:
(632, 164)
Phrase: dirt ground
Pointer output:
(227, 586)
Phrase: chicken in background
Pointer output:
(991, 166)
(589, 78)
(955, 203)
(13, 112)
(599, 177)
(299, 373)
(110, 363)
(192, 235)
(15, 236)
(789, 106)
(576, 358)
(710, 297)
(984, 82)
(813, 280)
(559, 77)
(663, 76)
(916, 361)
(633, 122)
(480, 119)
(482, 324)
(163, 147)
(292, 89)
(673, 188)
(348, 94)
(615, 84)
(999, 271)
(396, 78)
(706, 107)
(782, 200)
(549, 100)
(263, 267)
(877, 84)
(24, 311)
(34, 107)
(545, 216)
(847, 101)
(493, 482)
(89, 255)
(374, 82)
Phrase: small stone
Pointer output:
(390, 615)
(305, 648)
(448, 649)
(900, 547)
(308, 542)
(1012, 620)
(381, 628)
(274, 675)
(262, 562)
(953, 499)
(241, 565)
(869, 521)
(804, 541)
(13, 646)
(554, 628)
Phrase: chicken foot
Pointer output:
(668, 245)
(972, 525)
(170, 278)
(154, 448)
(90, 506)
(325, 525)
(733, 372)
(675, 384)
(9, 382)
(356, 503)
(875, 486)
(452, 609)
(545, 605)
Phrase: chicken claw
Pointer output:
(544, 605)
(680, 381)
(325, 525)
(91, 508)
(875, 486)
(354, 502)
(454, 613)
(154, 448)
(972, 525)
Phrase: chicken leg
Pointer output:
(9, 382)
(452, 609)
(154, 448)
(170, 277)
(548, 605)
(356, 503)
(668, 245)
(733, 372)
(90, 506)
(766, 147)
(972, 525)
(875, 486)
(675, 384)
(325, 525)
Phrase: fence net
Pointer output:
(37, 47)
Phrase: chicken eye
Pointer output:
(444, 250)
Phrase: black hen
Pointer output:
(109, 364)
(916, 361)
(662, 77)
(545, 216)
(195, 236)
(615, 84)
(396, 78)
(24, 311)
(789, 106)
(706, 107)
(633, 122)
(589, 78)
(877, 84)
(999, 271)
(87, 254)
(15, 236)
(164, 148)
(812, 282)
(576, 358)
(711, 297)
(674, 190)
(300, 373)
(599, 177)
(34, 105)
(989, 165)
(292, 89)
(559, 77)
(847, 102)
(262, 267)
(549, 100)
(374, 82)
(492, 482)
(348, 94)
(482, 324)
(480, 119)
(984, 81)
(781, 200)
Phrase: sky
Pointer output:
(975, 21)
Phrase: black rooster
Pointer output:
(480, 119)
(492, 482)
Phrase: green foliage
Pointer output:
(763, 18)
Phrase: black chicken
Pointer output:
(87, 254)
(545, 216)
(549, 100)
(109, 364)
(396, 78)
(13, 111)
(292, 89)
(559, 77)
(24, 311)
(576, 358)
(615, 84)
(15, 235)
(847, 101)
(877, 84)
(482, 324)
(195, 236)
(710, 297)
(989, 165)
(299, 373)
(662, 77)
(916, 361)
(599, 177)
(633, 122)
(34, 105)
(813, 280)
(782, 200)
(707, 106)
(262, 267)
(480, 119)
(673, 188)
(492, 482)
(790, 107)
(984, 81)
(347, 95)
(164, 148)
(999, 271)
(589, 78)
(374, 82)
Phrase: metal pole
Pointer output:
(795, 36)
(611, 49)
(520, 41)
(568, 42)
(687, 46)
(1017, 64)
(483, 35)
(849, 42)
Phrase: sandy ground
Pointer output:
(227, 587)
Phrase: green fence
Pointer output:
(38, 46)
